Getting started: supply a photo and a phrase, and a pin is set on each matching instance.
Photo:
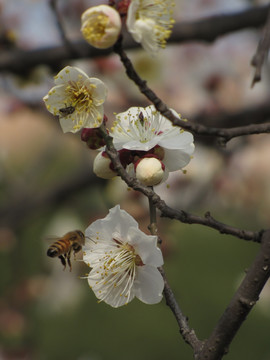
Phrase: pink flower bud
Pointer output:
(149, 171)
(93, 138)
(101, 26)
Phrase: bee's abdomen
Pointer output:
(58, 248)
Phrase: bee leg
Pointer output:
(69, 262)
(63, 261)
(68, 259)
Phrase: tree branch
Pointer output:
(188, 334)
(223, 134)
(241, 304)
(166, 211)
(262, 51)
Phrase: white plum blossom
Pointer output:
(123, 260)
(101, 26)
(145, 129)
(150, 23)
(77, 99)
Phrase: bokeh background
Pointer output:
(47, 187)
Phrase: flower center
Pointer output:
(118, 270)
(96, 27)
(79, 96)
(142, 127)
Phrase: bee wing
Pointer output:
(52, 238)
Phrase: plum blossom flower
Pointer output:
(101, 26)
(123, 260)
(150, 23)
(144, 131)
(76, 99)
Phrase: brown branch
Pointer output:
(241, 304)
(187, 333)
(262, 51)
(223, 134)
(166, 211)
(210, 28)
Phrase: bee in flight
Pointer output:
(65, 111)
(63, 246)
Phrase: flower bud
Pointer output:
(101, 26)
(102, 166)
(93, 138)
(149, 171)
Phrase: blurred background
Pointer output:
(47, 188)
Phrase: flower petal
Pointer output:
(175, 159)
(70, 73)
(148, 285)
(145, 246)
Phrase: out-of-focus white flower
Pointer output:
(123, 260)
(76, 99)
(101, 26)
(150, 23)
(145, 129)
(102, 166)
(149, 171)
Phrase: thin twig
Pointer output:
(187, 333)
(261, 52)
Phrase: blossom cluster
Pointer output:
(149, 146)
(123, 260)
(148, 21)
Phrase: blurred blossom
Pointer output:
(101, 26)
(150, 23)
(76, 99)
(123, 260)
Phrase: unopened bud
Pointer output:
(102, 166)
(101, 26)
(149, 171)
(93, 138)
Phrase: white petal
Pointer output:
(148, 285)
(70, 73)
(175, 159)
(107, 292)
(117, 221)
(145, 246)
(179, 140)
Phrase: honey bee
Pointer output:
(65, 111)
(63, 246)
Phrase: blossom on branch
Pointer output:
(123, 260)
(77, 99)
(150, 23)
(144, 132)
(101, 26)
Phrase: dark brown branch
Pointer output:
(187, 333)
(166, 211)
(241, 304)
(210, 28)
(206, 29)
(223, 134)
(262, 51)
